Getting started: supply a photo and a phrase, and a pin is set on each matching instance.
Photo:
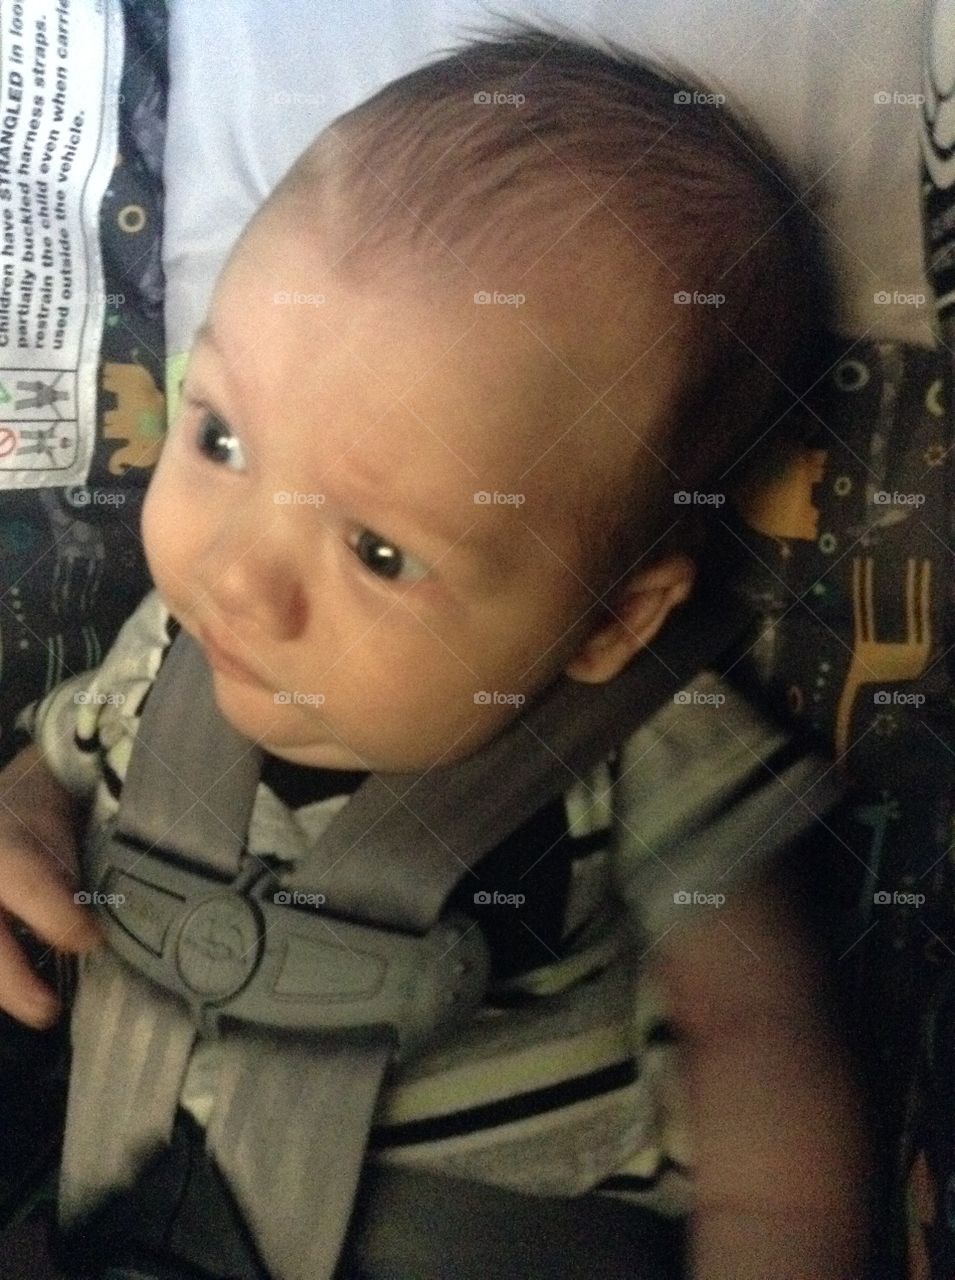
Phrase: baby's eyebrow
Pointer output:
(370, 496)
(482, 549)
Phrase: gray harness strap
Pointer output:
(133, 1043)
(193, 790)
(310, 1008)
(295, 1179)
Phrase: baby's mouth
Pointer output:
(225, 662)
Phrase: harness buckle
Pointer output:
(249, 951)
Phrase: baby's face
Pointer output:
(319, 519)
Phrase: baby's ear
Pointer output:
(640, 607)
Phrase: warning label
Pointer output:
(60, 62)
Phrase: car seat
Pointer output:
(846, 575)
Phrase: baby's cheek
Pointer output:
(151, 525)
(169, 529)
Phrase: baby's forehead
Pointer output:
(550, 381)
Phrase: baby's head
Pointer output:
(448, 387)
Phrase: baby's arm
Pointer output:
(38, 880)
(780, 1163)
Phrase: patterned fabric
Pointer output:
(71, 571)
(847, 559)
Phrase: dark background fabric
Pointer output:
(877, 691)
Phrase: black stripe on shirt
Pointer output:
(521, 1106)
(296, 785)
(87, 745)
(112, 780)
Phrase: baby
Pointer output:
(466, 382)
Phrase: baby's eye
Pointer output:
(384, 559)
(216, 441)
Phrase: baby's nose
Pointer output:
(257, 588)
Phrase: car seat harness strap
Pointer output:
(309, 1007)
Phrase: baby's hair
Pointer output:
(518, 135)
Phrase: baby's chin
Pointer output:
(335, 755)
(314, 749)
(318, 756)
(300, 736)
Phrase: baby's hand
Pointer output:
(38, 881)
